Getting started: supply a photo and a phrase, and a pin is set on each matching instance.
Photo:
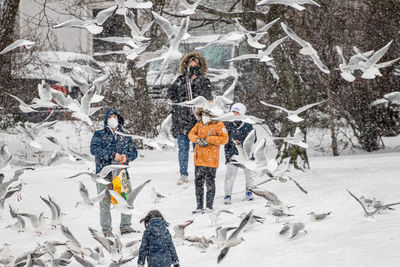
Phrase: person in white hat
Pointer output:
(238, 131)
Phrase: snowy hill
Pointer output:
(345, 238)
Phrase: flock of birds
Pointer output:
(135, 48)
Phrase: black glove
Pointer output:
(176, 264)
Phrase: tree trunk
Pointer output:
(292, 96)
(8, 13)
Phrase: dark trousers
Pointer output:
(207, 175)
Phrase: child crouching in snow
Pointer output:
(157, 245)
(208, 135)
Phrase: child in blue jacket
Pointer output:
(157, 245)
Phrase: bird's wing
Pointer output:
(260, 154)
(84, 193)
(362, 205)
(164, 24)
(83, 262)
(16, 215)
(56, 206)
(166, 126)
(135, 192)
(106, 243)
(319, 63)
(340, 53)
(117, 196)
(60, 98)
(99, 82)
(39, 127)
(274, 106)
(32, 217)
(28, 44)
(299, 110)
(377, 56)
(222, 254)
(67, 233)
(44, 91)
(271, 47)
(293, 35)
(87, 100)
(245, 56)
(51, 207)
(17, 98)
(242, 224)
(107, 169)
(103, 15)
(391, 204)
(387, 63)
(265, 28)
(248, 144)
(285, 229)
(100, 196)
(199, 101)
(298, 185)
(229, 93)
(78, 174)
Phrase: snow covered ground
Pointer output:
(345, 238)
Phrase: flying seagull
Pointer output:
(234, 239)
(99, 177)
(306, 49)
(18, 43)
(366, 212)
(293, 114)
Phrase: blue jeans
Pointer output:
(183, 153)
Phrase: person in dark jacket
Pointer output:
(238, 131)
(157, 245)
(189, 85)
(110, 148)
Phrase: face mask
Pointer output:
(112, 122)
(194, 71)
(205, 119)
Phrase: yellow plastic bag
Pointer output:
(120, 185)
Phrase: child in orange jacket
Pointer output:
(208, 135)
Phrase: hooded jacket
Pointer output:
(236, 131)
(216, 134)
(182, 117)
(157, 245)
(105, 144)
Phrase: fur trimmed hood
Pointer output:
(200, 57)
(198, 111)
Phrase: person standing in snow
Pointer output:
(189, 85)
(208, 135)
(157, 245)
(110, 148)
(238, 131)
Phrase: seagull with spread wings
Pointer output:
(93, 25)
(126, 206)
(306, 49)
(18, 43)
(234, 239)
(262, 56)
(99, 177)
(293, 114)
(86, 201)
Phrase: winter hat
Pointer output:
(239, 107)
